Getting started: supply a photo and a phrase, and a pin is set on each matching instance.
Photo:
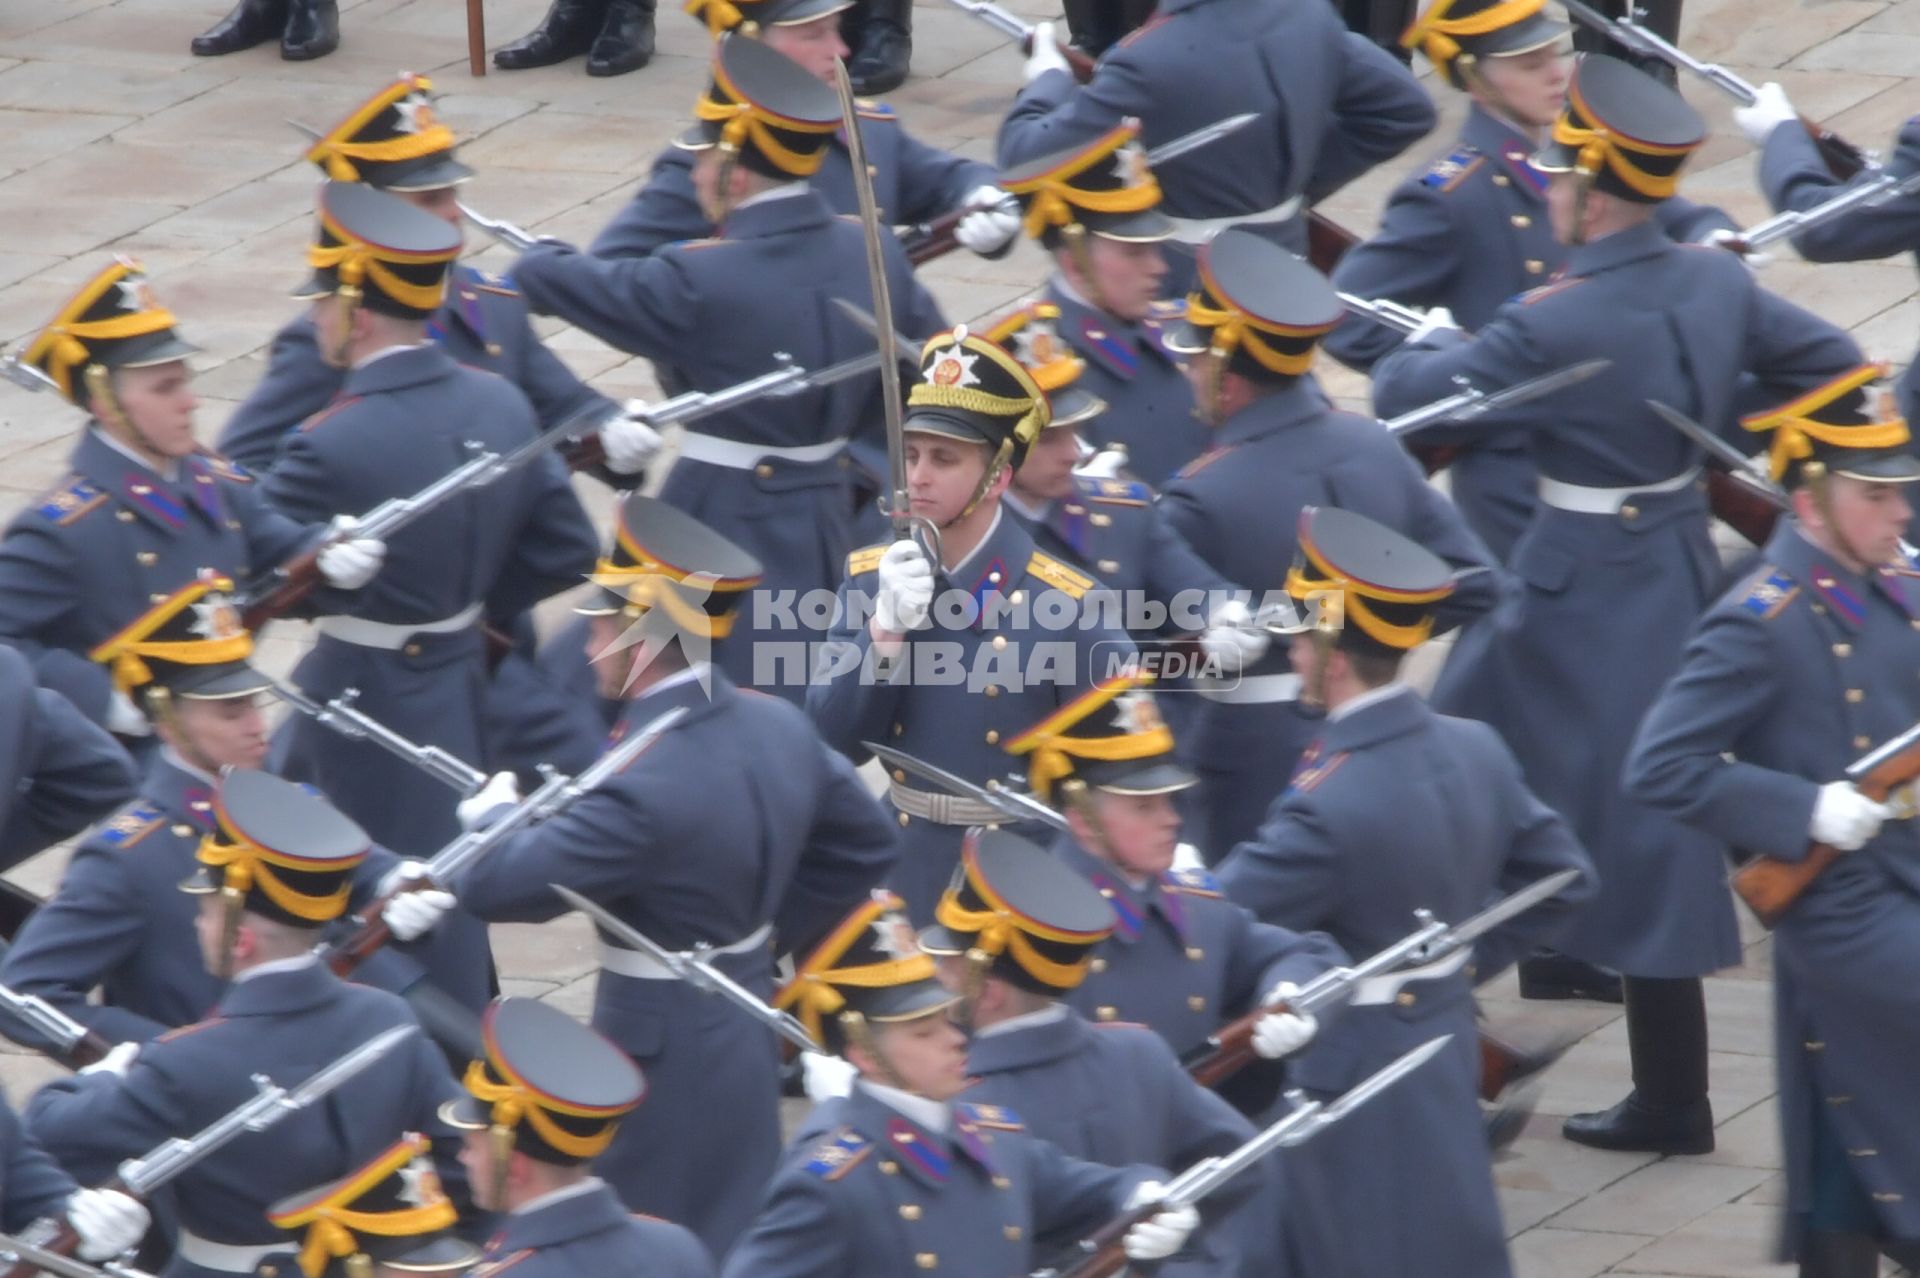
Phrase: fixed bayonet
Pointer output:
(74, 1042)
(1875, 191)
(1472, 402)
(514, 237)
(340, 715)
(694, 967)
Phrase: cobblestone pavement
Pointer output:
(114, 139)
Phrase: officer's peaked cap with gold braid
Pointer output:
(1627, 130)
(1361, 581)
(392, 1212)
(972, 390)
(290, 853)
(1110, 737)
(393, 141)
(558, 1086)
(722, 16)
(1258, 305)
(192, 643)
(664, 559)
(1027, 911)
(115, 322)
(764, 107)
(1838, 425)
(1032, 335)
(1448, 30)
(1104, 186)
(398, 256)
(868, 970)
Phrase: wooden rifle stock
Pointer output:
(368, 936)
(295, 580)
(1327, 242)
(1102, 1252)
(55, 1234)
(1843, 158)
(1740, 507)
(1770, 886)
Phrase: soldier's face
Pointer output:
(927, 1055)
(1562, 191)
(1140, 831)
(442, 202)
(159, 404)
(706, 184)
(476, 1155)
(1532, 87)
(610, 668)
(1869, 518)
(814, 45)
(1126, 276)
(217, 734)
(942, 476)
(1047, 474)
(209, 926)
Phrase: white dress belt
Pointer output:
(1582, 500)
(229, 1258)
(389, 637)
(1198, 230)
(1385, 989)
(737, 455)
(644, 967)
(1254, 690)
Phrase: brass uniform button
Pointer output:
(1843, 650)
(905, 819)
(993, 690)
(412, 650)
(763, 470)
(1501, 179)
(1012, 1232)
(1629, 511)
(1197, 1002)
(156, 598)
(1855, 696)
(234, 525)
(927, 1260)
(1814, 1045)
(182, 830)
(1535, 266)
(1001, 1182)
(1521, 220)
(889, 1168)
(993, 736)
(1097, 964)
(909, 1211)
(1106, 1013)
(1099, 520)
(1017, 596)
(899, 728)
(1861, 743)
(1195, 953)
(999, 643)
(124, 516)
(899, 774)
(1109, 565)
(147, 558)
(1406, 998)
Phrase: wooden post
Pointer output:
(476, 37)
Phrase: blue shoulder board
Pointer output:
(1123, 492)
(224, 467)
(872, 109)
(64, 505)
(493, 283)
(1194, 882)
(996, 1117)
(1770, 594)
(131, 824)
(1447, 173)
(838, 1154)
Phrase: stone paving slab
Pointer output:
(117, 140)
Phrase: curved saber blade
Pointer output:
(1205, 135)
(1716, 447)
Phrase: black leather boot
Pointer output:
(625, 42)
(1648, 1129)
(251, 22)
(566, 32)
(879, 61)
(1547, 975)
(1830, 1255)
(313, 30)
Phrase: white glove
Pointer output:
(826, 1077)
(906, 588)
(1045, 55)
(350, 562)
(1437, 320)
(1844, 818)
(116, 1062)
(994, 222)
(125, 718)
(108, 1222)
(501, 789)
(1730, 240)
(1231, 638)
(1279, 1034)
(412, 915)
(630, 444)
(1161, 1234)
(1769, 111)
